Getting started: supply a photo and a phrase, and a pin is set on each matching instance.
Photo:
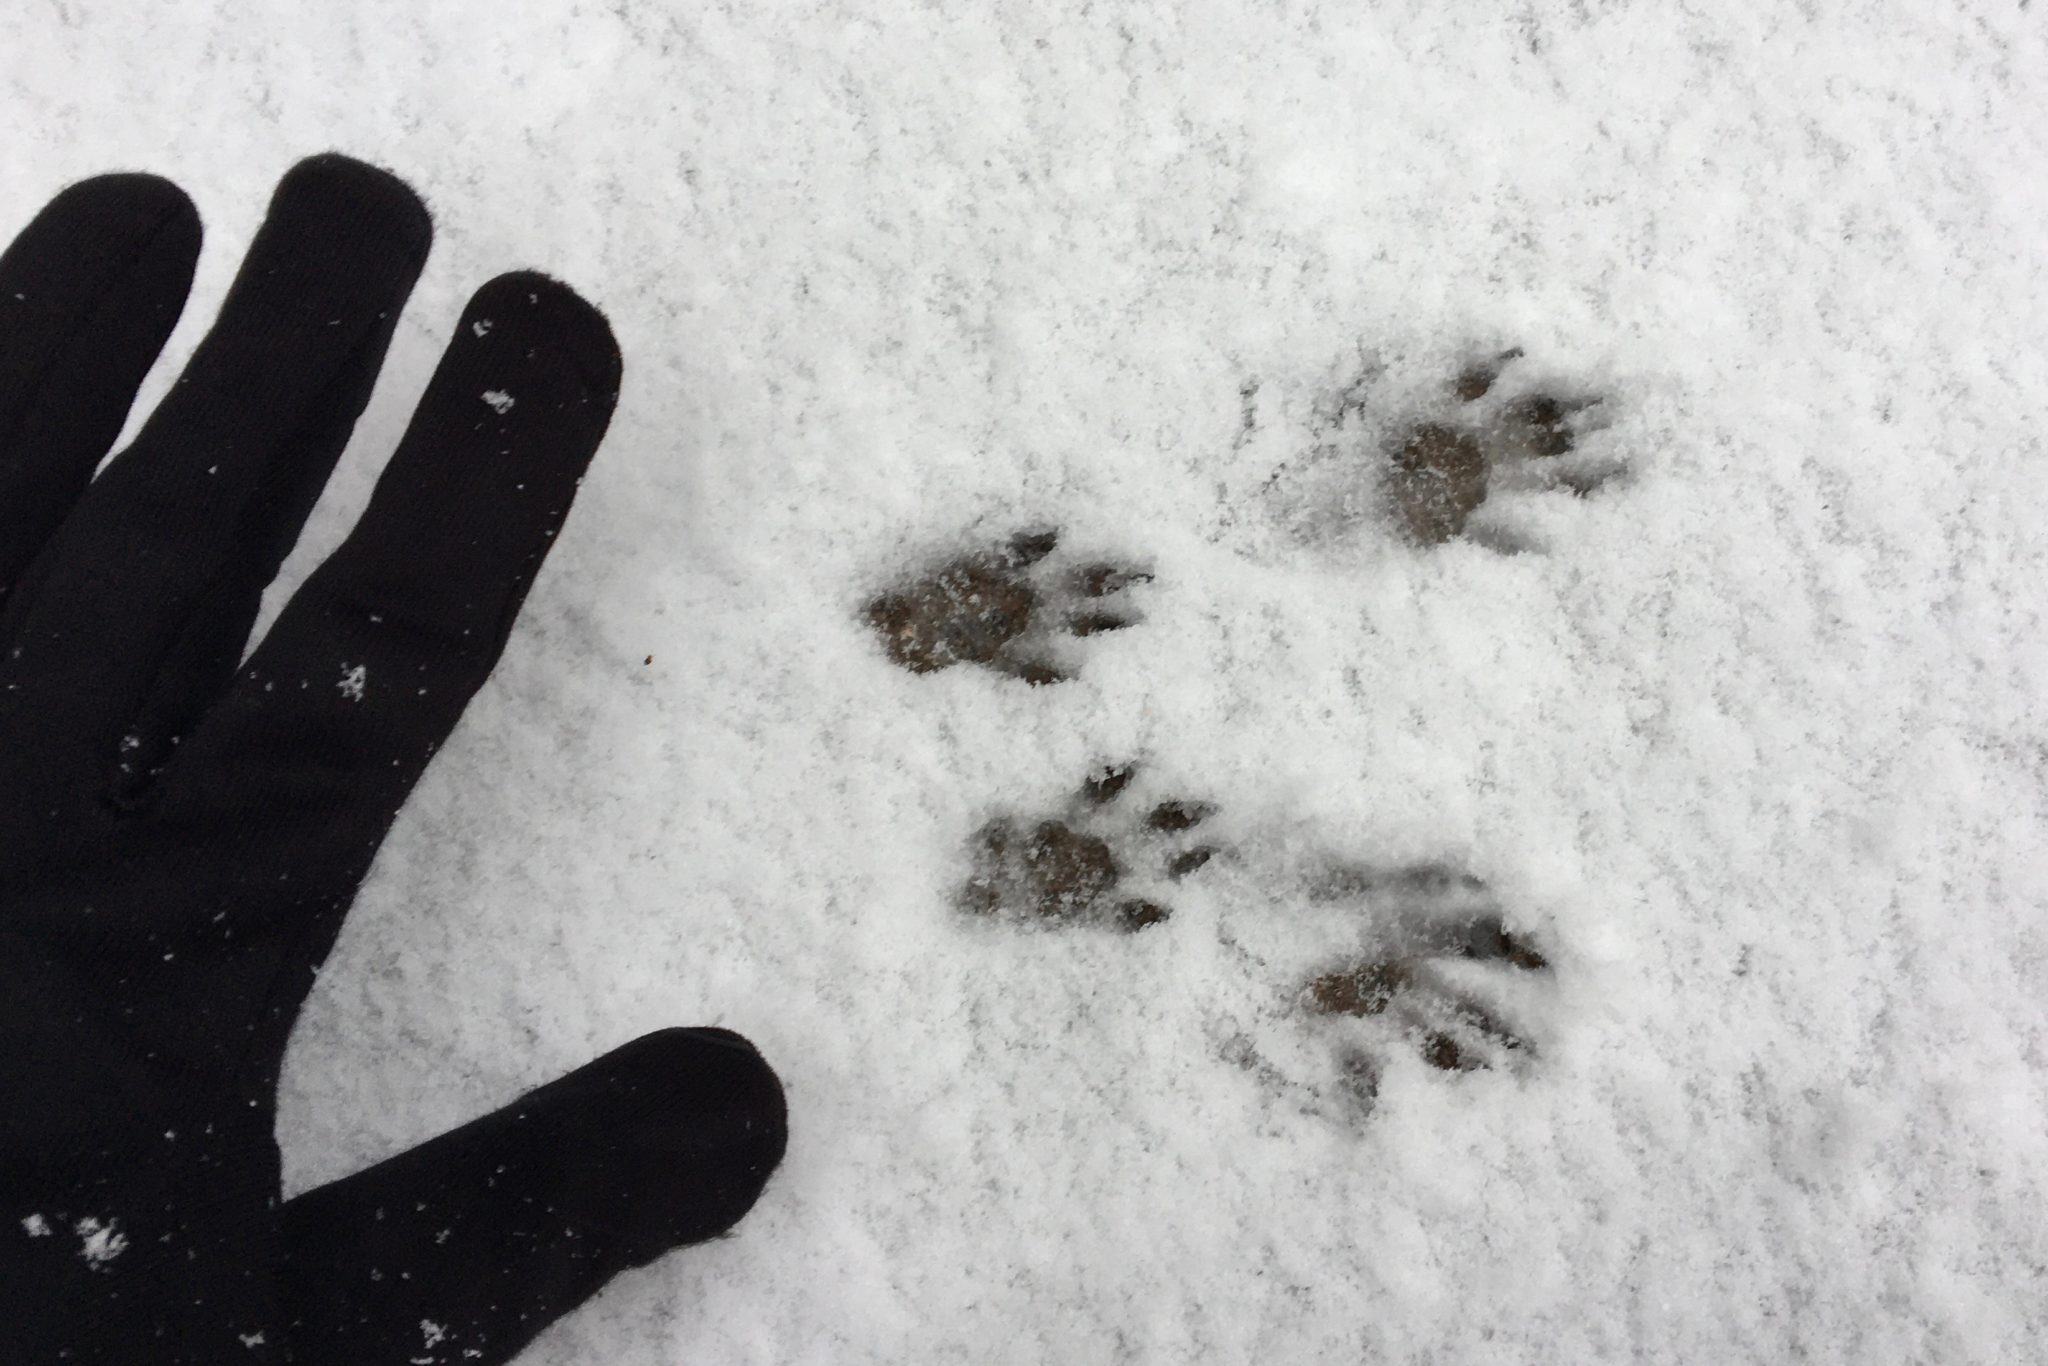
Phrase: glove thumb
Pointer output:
(466, 1247)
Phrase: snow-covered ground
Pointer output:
(1748, 743)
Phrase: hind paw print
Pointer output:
(1429, 981)
(1100, 861)
(1453, 1031)
(1409, 992)
(1441, 468)
(1006, 609)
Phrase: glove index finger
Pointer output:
(368, 667)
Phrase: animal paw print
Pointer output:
(1006, 609)
(1452, 1028)
(1100, 861)
(1441, 468)
(1429, 981)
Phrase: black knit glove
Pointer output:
(181, 832)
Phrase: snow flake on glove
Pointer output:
(435, 1334)
(99, 1242)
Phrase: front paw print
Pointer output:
(1006, 609)
(1098, 862)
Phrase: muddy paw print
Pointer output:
(1101, 861)
(1408, 985)
(1441, 468)
(1005, 609)
(1375, 963)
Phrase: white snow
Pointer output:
(1750, 741)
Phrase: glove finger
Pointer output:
(370, 664)
(143, 599)
(465, 1248)
(88, 293)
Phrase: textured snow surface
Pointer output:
(1749, 741)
